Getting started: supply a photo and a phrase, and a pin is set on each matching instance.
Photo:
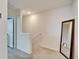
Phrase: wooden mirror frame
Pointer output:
(72, 38)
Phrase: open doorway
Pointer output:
(10, 32)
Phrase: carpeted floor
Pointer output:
(17, 54)
(38, 53)
(45, 53)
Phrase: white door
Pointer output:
(10, 32)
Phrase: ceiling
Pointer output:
(38, 5)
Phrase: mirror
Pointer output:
(67, 37)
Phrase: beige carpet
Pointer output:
(44, 53)
(17, 54)
(38, 53)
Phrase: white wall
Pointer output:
(24, 41)
(12, 11)
(48, 23)
(3, 38)
(75, 15)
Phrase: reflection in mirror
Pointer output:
(66, 38)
